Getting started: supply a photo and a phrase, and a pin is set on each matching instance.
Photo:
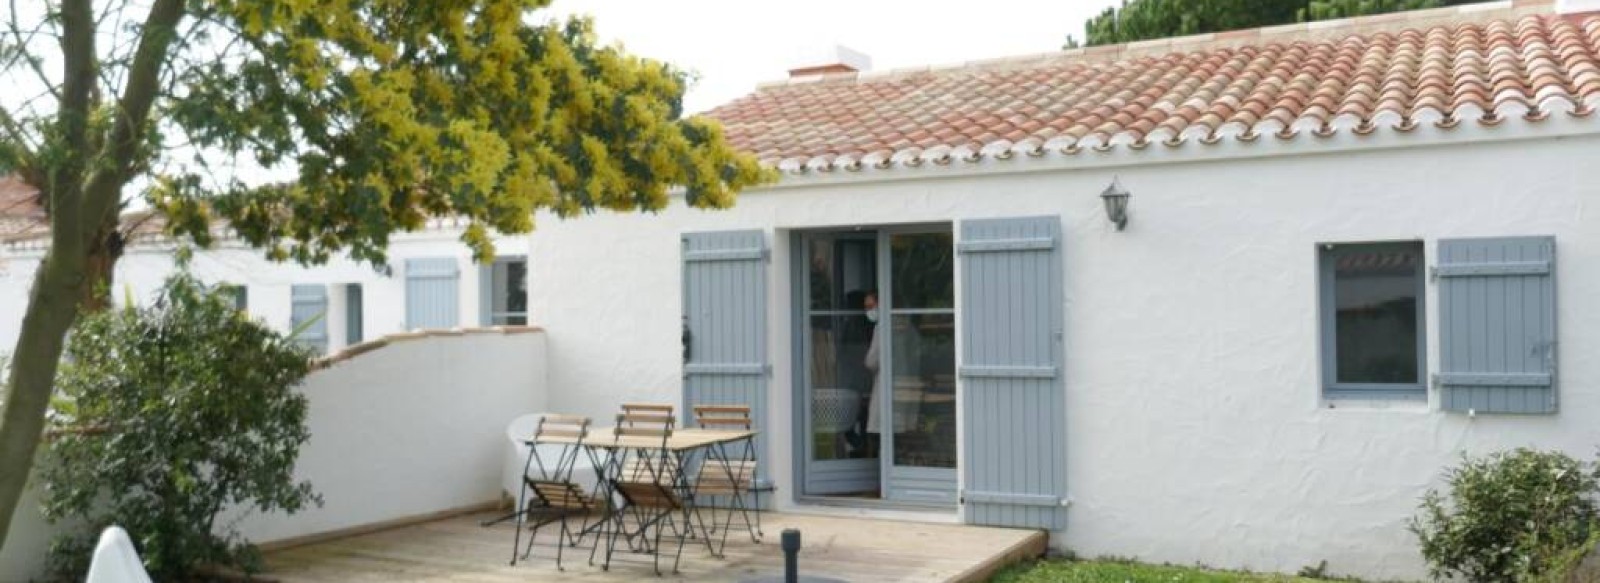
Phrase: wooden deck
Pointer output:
(851, 549)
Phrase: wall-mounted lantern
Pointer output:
(1116, 199)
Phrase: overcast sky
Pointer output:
(733, 44)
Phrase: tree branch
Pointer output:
(133, 111)
(22, 51)
(15, 132)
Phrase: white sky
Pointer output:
(733, 44)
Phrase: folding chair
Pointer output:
(722, 476)
(556, 497)
(646, 409)
(649, 487)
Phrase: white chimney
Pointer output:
(835, 59)
(1577, 6)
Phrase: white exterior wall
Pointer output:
(411, 429)
(1195, 424)
(143, 269)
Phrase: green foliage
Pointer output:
(1317, 571)
(370, 117)
(1510, 516)
(181, 411)
(1331, 9)
(1139, 20)
(1127, 571)
(394, 111)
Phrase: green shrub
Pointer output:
(177, 413)
(1511, 516)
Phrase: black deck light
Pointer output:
(1116, 199)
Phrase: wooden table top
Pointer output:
(681, 440)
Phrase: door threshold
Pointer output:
(871, 508)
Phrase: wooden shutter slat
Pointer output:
(1012, 400)
(1497, 328)
(725, 313)
(433, 293)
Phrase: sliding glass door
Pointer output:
(921, 309)
(842, 273)
(878, 352)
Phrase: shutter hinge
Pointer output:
(961, 497)
(1435, 382)
(1433, 274)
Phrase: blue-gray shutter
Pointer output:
(1014, 452)
(725, 318)
(1497, 325)
(432, 293)
(309, 303)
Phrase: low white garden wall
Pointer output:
(401, 428)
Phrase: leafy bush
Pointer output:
(179, 412)
(1511, 516)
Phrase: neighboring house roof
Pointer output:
(20, 210)
(1482, 69)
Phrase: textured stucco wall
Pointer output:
(413, 428)
(143, 269)
(1195, 424)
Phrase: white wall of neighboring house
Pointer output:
(143, 268)
(1196, 428)
(410, 430)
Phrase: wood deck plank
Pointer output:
(853, 549)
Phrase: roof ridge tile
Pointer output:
(1514, 61)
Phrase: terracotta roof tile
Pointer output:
(20, 211)
(1474, 71)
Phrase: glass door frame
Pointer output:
(807, 467)
(801, 314)
(892, 475)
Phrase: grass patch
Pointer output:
(1123, 571)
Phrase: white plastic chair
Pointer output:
(115, 560)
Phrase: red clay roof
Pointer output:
(1473, 72)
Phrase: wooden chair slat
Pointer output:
(646, 471)
(560, 419)
(644, 431)
(713, 423)
(653, 418)
(724, 409)
(574, 433)
(649, 495)
(562, 495)
(647, 407)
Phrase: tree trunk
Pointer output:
(52, 307)
(100, 270)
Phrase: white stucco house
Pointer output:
(1237, 299)
(432, 280)
(1351, 252)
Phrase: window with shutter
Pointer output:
(1012, 396)
(1497, 325)
(432, 293)
(308, 316)
(1372, 313)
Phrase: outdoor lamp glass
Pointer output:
(1116, 199)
